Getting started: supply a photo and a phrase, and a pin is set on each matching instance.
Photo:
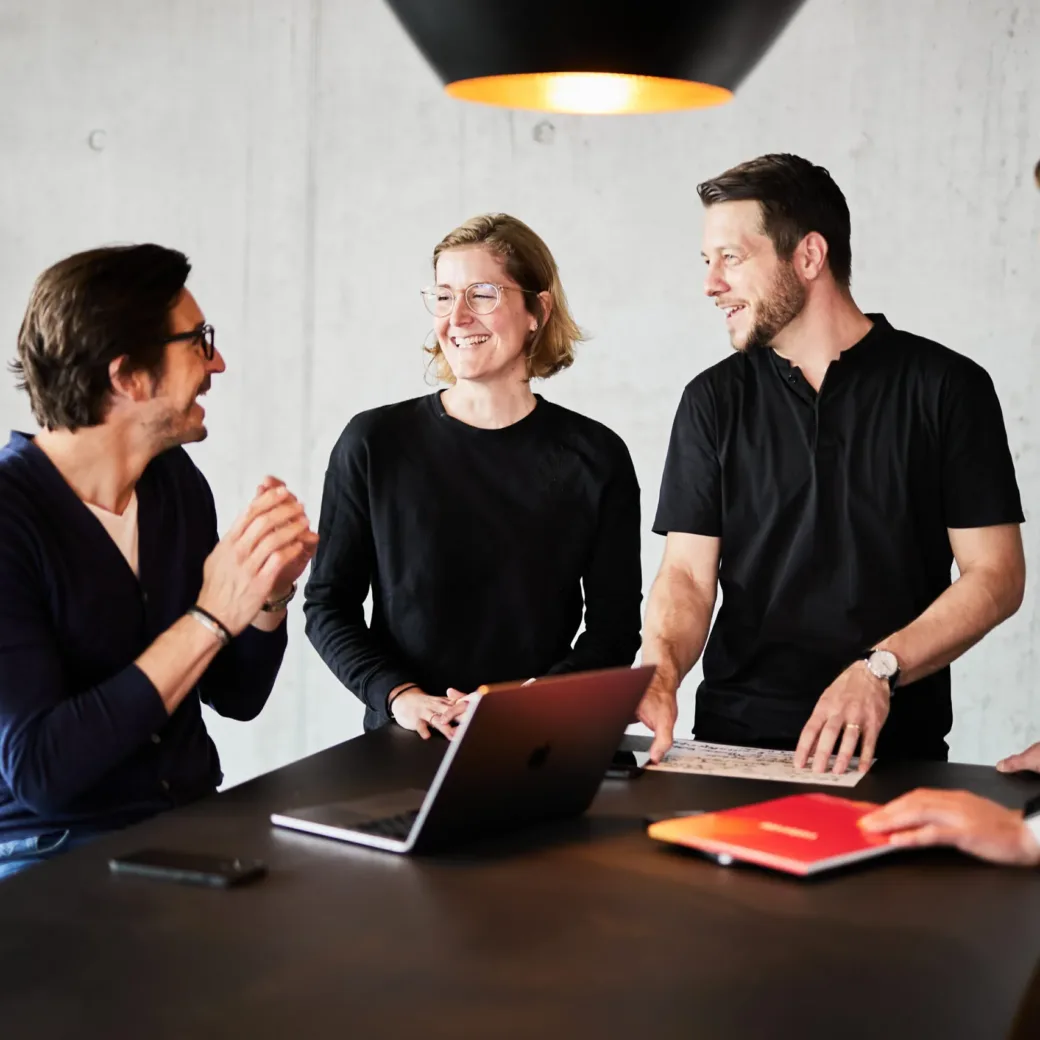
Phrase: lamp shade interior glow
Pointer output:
(595, 93)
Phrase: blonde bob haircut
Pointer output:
(529, 263)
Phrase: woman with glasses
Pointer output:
(487, 522)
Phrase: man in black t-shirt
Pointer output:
(826, 475)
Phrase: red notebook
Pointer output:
(801, 834)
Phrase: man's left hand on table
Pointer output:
(850, 711)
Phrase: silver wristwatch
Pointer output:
(882, 664)
(1031, 817)
(1033, 823)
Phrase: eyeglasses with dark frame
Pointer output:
(480, 297)
(203, 335)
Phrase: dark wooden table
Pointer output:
(582, 929)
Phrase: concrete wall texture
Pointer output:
(303, 155)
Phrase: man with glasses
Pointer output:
(120, 611)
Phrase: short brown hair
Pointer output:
(796, 197)
(86, 311)
(530, 264)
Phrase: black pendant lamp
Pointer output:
(594, 56)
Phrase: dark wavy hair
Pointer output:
(795, 197)
(86, 311)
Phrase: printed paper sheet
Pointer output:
(693, 756)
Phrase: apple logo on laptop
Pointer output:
(538, 757)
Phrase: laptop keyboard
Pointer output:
(399, 826)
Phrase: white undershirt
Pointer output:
(122, 528)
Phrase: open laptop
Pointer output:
(521, 753)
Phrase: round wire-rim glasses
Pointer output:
(480, 297)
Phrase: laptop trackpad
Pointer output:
(376, 807)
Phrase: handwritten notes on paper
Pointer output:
(693, 756)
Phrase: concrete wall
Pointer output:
(301, 153)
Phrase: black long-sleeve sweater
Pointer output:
(483, 550)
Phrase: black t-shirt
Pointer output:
(481, 549)
(832, 510)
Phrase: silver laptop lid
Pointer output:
(522, 752)
(530, 752)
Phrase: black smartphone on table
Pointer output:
(624, 766)
(189, 868)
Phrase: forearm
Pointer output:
(239, 681)
(975, 603)
(678, 616)
(269, 620)
(353, 654)
(174, 663)
(590, 654)
(612, 582)
(610, 639)
(56, 744)
(341, 579)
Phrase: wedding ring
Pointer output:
(852, 725)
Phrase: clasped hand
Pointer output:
(267, 549)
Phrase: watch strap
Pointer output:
(272, 606)
(1033, 824)
(1031, 817)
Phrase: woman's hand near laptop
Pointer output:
(412, 708)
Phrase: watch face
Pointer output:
(883, 664)
(1033, 823)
